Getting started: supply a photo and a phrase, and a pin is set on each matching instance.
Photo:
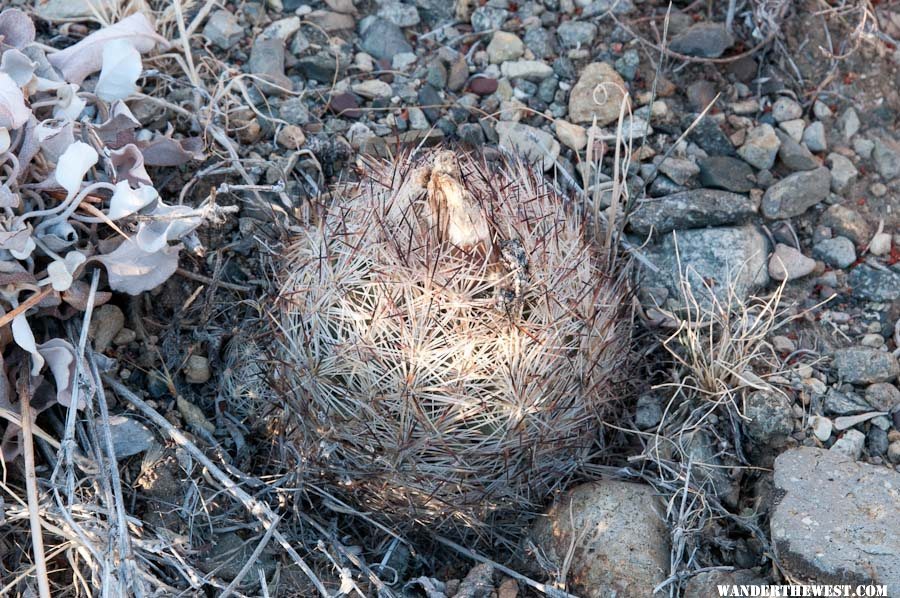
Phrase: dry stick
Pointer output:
(25, 306)
(212, 281)
(250, 561)
(255, 506)
(540, 587)
(34, 516)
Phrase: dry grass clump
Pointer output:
(449, 339)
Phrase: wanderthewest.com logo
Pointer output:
(826, 591)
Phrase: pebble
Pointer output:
(383, 39)
(294, 111)
(571, 135)
(880, 244)
(877, 441)
(796, 193)
(694, 208)
(401, 15)
(403, 60)
(599, 92)
(574, 34)
(893, 452)
(282, 29)
(863, 147)
(814, 137)
(222, 29)
(844, 403)
(724, 172)
(851, 444)
(505, 46)
(848, 124)
(486, 18)
(771, 419)
(533, 144)
(843, 173)
(331, 21)
(821, 427)
(531, 70)
(795, 156)
(267, 61)
(417, 119)
(372, 88)
(783, 344)
(321, 67)
(874, 284)
(106, 323)
(129, 436)
(760, 147)
(471, 134)
(794, 128)
(706, 40)
(648, 411)
(541, 42)
(847, 222)
(680, 171)
(787, 263)
(860, 365)
(886, 154)
(837, 251)
(196, 370)
(883, 396)
(785, 109)
(344, 104)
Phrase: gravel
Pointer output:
(796, 193)
(859, 365)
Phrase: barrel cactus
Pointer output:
(448, 339)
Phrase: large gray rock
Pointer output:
(691, 209)
(535, 145)
(836, 521)
(706, 584)
(710, 260)
(874, 284)
(708, 40)
(383, 39)
(794, 194)
(887, 158)
(222, 29)
(862, 365)
(725, 172)
(618, 541)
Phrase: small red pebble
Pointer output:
(345, 104)
(483, 86)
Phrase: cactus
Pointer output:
(448, 338)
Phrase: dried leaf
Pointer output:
(59, 355)
(4, 140)
(24, 337)
(129, 164)
(8, 199)
(59, 237)
(165, 151)
(118, 130)
(54, 140)
(86, 57)
(16, 28)
(172, 224)
(19, 67)
(13, 111)
(70, 104)
(73, 165)
(120, 71)
(15, 239)
(132, 270)
(126, 201)
(78, 293)
(61, 272)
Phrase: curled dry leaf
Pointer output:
(73, 165)
(16, 28)
(18, 66)
(13, 111)
(24, 337)
(129, 164)
(86, 57)
(132, 270)
(165, 151)
(61, 272)
(54, 139)
(126, 201)
(118, 130)
(120, 71)
(59, 355)
(70, 103)
(169, 223)
(4, 140)
(77, 295)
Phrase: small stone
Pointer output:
(796, 193)
(322, 67)
(222, 29)
(505, 46)
(723, 172)
(822, 111)
(648, 412)
(457, 73)
(541, 42)
(417, 119)
(294, 111)
(771, 417)
(843, 173)
(483, 86)
(331, 21)
(282, 29)
(887, 158)
(471, 134)
(401, 15)
(787, 263)
(291, 137)
(794, 155)
(783, 344)
(880, 244)
(571, 136)
(821, 427)
(533, 144)
(874, 284)
(706, 40)
(384, 40)
(196, 370)
(794, 128)
(125, 337)
(846, 222)
(267, 61)
(344, 104)
(627, 65)
(531, 70)
(858, 365)
(838, 252)
(599, 92)
(893, 452)
(106, 323)
(760, 147)
(786, 109)
(372, 88)
(848, 124)
(485, 18)
(574, 34)
(851, 444)
(814, 137)
(694, 208)
(883, 396)
(129, 436)
(842, 404)
(403, 60)
(700, 94)
(680, 171)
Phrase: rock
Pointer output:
(129, 436)
(509, 588)
(694, 208)
(457, 73)
(648, 411)
(612, 535)
(436, 75)
(838, 252)
(794, 128)
(573, 34)
(735, 255)
(880, 244)
(605, 104)
(794, 194)
(858, 365)
(706, 40)
(125, 336)
(887, 158)
(345, 105)
(282, 29)
(372, 88)
(835, 521)
(680, 171)
(403, 60)
(850, 444)
(291, 137)
(893, 452)
(787, 263)
(627, 65)
(707, 583)
(821, 427)
(783, 344)
(874, 284)
(771, 417)
(530, 70)
(814, 137)
(222, 29)
(710, 138)
(471, 134)
(294, 111)
(505, 46)
(760, 147)
(843, 173)
(701, 448)
(842, 404)
(483, 86)
(478, 583)
(571, 136)
(267, 62)
(321, 67)
(795, 156)
(331, 21)
(533, 144)
(848, 223)
(541, 42)
(786, 109)
(876, 441)
(724, 172)
(431, 102)
(700, 94)
(401, 15)
(106, 323)
(196, 370)
(383, 39)
(863, 147)
(300, 44)
(486, 18)
(848, 124)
